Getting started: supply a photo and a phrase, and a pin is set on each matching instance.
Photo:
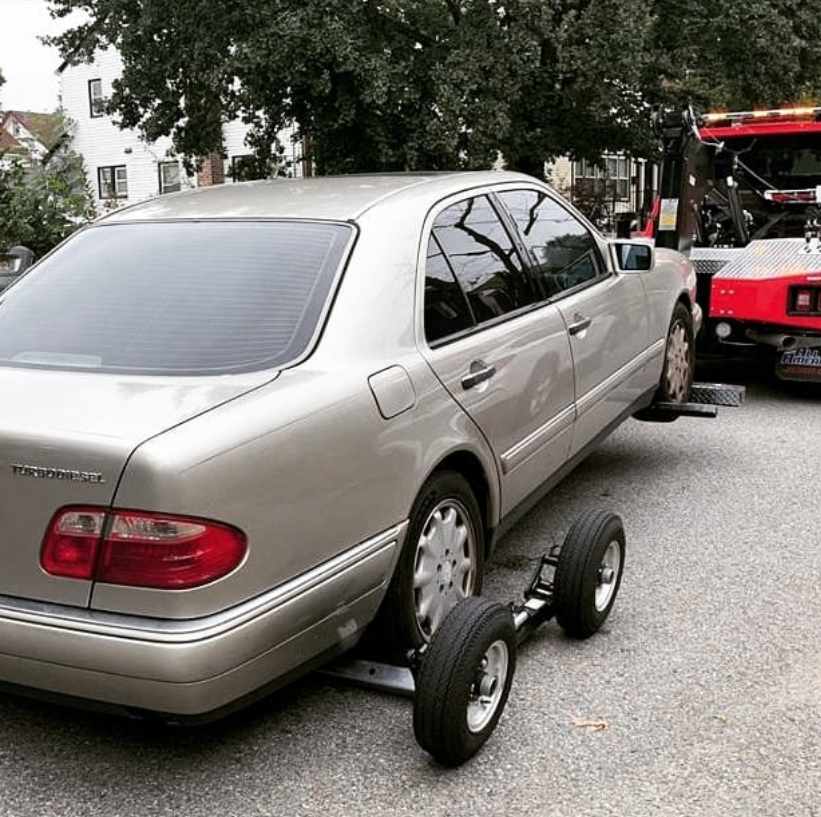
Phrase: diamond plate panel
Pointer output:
(773, 258)
(717, 394)
(702, 266)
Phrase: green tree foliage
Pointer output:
(42, 205)
(405, 84)
(737, 56)
(377, 84)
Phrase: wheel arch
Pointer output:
(469, 466)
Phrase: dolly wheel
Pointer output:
(464, 680)
(588, 573)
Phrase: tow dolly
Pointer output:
(461, 679)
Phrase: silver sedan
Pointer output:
(244, 426)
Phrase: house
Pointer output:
(618, 186)
(29, 136)
(124, 168)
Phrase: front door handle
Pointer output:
(579, 324)
(479, 372)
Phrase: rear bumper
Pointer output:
(189, 668)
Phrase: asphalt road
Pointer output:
(707, 676)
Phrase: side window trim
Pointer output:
(603, 269)
(522, 253)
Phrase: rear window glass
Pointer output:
(174, 298)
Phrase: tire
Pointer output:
(679, 359)
(588, 573)
(441, 563)
(464, 680)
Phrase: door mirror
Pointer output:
(632, 256)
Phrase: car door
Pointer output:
(604, 313)
(500, 349)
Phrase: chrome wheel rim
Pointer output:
(489, 686)
(445, 568)
(608, 576)
(678, 363)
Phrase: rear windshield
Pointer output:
(174, 297)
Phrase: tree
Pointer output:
(407, 84)
(42, 205)
(377, 84)
(738, 56)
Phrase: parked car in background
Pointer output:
(13, 263)
(243, 425)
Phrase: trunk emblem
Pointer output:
(69, 474)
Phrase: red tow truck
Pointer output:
(740, 194)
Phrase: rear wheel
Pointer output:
(464, 680)
(441, 564)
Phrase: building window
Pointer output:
(170, 177)
(610, 181)
(112, 182)
(244, 168)
(96, 104)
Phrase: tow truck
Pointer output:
(740, 195)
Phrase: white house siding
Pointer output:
(560, 175)
(102, 144)
(234, 142)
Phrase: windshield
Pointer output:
(174, 297)
(782, 162)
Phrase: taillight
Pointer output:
(72, 540)
(140, 549)
(803, 300)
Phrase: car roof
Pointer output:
(337, 198)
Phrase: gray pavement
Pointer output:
(707, 675)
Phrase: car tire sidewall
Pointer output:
(446, 676)
(577, 572)
(680, 320)
(397, 626)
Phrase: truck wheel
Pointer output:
(464, 680)
(588, 573)
(441, 563)
(679, 359)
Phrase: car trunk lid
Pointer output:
(65, 438)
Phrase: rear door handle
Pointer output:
(579, 324)
(479, 372)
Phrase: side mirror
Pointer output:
(632, 256)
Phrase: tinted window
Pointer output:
(446, 309)
(483, 258)
(174, 298)
(563, 251)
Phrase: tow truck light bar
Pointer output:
(806, 196)
(774, 115)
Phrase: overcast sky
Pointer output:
(27, 65)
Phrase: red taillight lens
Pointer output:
(72, 541)
(140, 549)
(803, 300)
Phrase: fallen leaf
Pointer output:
(588, 725)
